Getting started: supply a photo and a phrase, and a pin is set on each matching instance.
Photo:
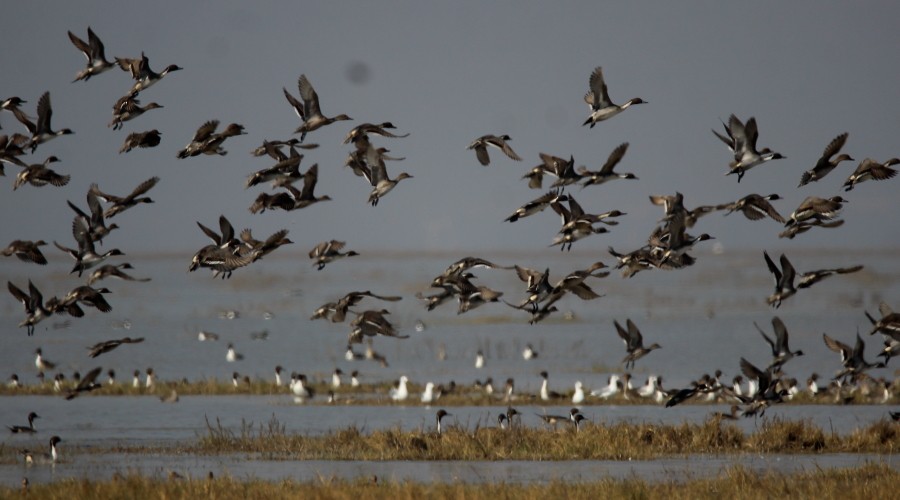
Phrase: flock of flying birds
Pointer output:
(667, 247)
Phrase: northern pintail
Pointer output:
(43, 458)
(26, 251)
(552, 420)
(813, 207)
(222, 261)
(870, 169)
(810, 278)
(731, 415)
(602, 108)
(481, 145)
(272, 148)
(471, 296)
(327, 252)
(149, 378)
(13, 382)
(381, 183)
(768, 391)
(400, 391)
(108, 345)
(634, 343)
(294, 199)
(113, 271)
(888, 324)
(12, 104)
(94, 53)
(438, 417)
(802, 227)
(781, 353)
(479, 360)
(88, 296)
(278, 370)
(286, 171)
(309, 110)
(231, 356)
(136, 379)
(371, 323)
(754, 207)
(11, 150)
(22, 429)
(741, 141)
(120, 204)
(111, 377)
(97, 228)
(851, 358)
(33, 301)
(576, 224)
(336, 378)
(299, 388)
(148, 139)
(204, 336)
(825, 164)
(85, 255)
(784, 279)
(358, 132)
(87, 383)
(537, 205)
(341, 307)
(39, 174)
(41, 131)
(207, 141)
(606, 172)
(261, 248)
(128, 108)
(141, 72)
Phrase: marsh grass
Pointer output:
(619, 441)
(868, 481)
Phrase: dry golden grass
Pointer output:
(870, 481)
(620, 441)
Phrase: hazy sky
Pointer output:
(446, 74)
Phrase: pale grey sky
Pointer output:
(447, 73)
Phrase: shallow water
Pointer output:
(665, 469)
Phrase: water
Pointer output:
(703, 317)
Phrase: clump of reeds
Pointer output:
(868, 481)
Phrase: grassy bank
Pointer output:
(870, 481)
(621, 441)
